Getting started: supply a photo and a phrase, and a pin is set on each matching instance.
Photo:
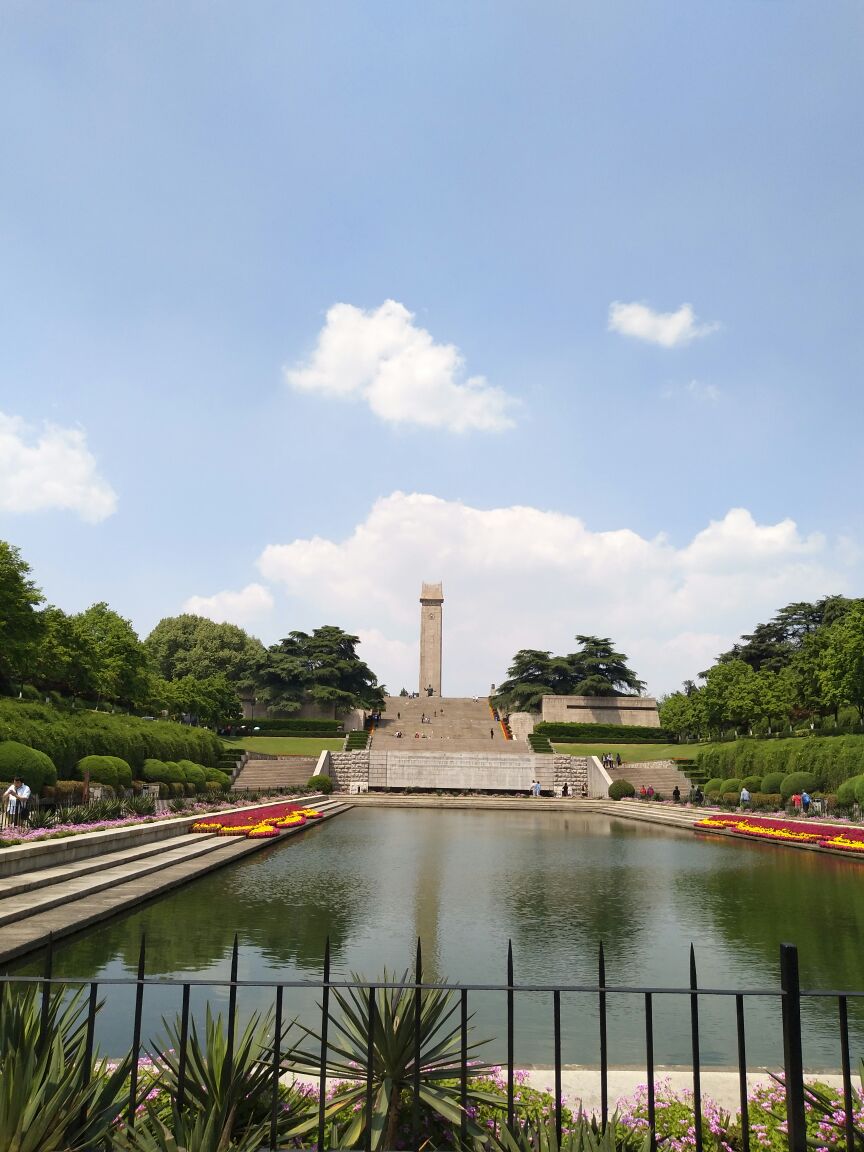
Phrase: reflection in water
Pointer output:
(466, 883)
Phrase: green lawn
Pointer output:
(633, 753)
(288, 745)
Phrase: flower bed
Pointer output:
(788, 831)
(261, 823)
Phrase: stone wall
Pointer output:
(624, 710)
(572, 770)
(522, 725)
(348, 768)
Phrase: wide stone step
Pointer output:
(44, 877)
(23, 905)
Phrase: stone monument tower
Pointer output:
(431, 599)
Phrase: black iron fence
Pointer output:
(788, 995)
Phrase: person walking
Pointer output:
(491, 733)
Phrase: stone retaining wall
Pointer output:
(572, 770)
(347, 768)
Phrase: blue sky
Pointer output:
(188, 418)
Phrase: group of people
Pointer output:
(610, 761)
(17, 800)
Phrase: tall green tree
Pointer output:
(532, 675)
(321, 667)
(66, 660)
(598, 670)
(842, 663)
(676, 714)
(595, 670)
(121, 665)
(20, 622)
(191, 645)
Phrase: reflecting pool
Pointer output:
(466, 882)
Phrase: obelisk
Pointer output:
(431, 599)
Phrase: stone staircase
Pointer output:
(45, 890)
(662, 775)
(277, 772)
(456, 724)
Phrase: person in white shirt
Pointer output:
(17, 797)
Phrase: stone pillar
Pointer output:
(431, 599)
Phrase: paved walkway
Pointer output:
(67, 897)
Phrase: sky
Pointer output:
(305, 303)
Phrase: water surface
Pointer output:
(466, 882)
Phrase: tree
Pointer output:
(729, 695)
(842, 665)
(598, 670)
(319, 668)
(195, 646)
(121, 669)
(65, 660)
(212, 702)
(532, 675)
(20, 623)
(676, 713)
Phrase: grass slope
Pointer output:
(632, 753)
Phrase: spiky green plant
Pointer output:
(539, 1135)
(53, 1098)
(239, 1091)
(190, 1132)
(393, 1064)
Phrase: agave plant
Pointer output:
(393, 1066)
(199, 1132)
(54, 1096)
(539, 1135)
(236, 1092)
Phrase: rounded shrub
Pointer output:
(713, 785)
(176, 790)
(220, 779)
(859, 789)
(752, 783)
(151, 771)
(733, 784)
(846, 791)
(194, 773)
(34, 767)
(104, 770)
(621, 790)
(731, 798)
(320, 784)
(797, 782)
(771, 782)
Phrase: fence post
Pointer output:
(793, 1058)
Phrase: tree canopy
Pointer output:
(188, 667)
(803, 665)
(318, 668)
(595, 670)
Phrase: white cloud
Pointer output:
(669, 329)
(50, 468)
(523, 577)
(247, 607)
(384, 358)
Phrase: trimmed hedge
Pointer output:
(562, 733)
(752, 784)
(33, 766)
(320, 784)
(104, 770)
(215, 776)
(195, 774)
(621, 790)
(798, 782)
(771, 783)
(730, 785)
(831, 759)
(847, 792)
(67, 737)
